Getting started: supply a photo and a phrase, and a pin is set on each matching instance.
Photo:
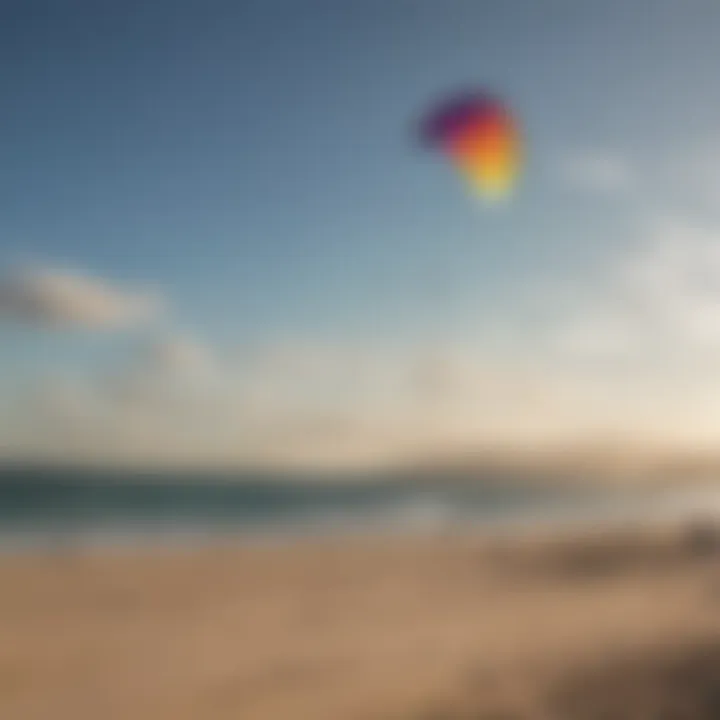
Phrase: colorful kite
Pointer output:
(481, 138)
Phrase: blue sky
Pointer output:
(255, 163)
(260, 156)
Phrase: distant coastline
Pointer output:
(584, 463)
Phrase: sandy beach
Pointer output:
(395, 628)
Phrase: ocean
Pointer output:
(59, 508)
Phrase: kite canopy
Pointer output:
(455, 115)
(480, 137)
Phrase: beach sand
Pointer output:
(390, 628)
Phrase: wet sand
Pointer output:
(393, 628)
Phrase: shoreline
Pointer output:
(437, 524)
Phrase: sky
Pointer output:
(221, 243)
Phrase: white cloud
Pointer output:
(663, 297)
(599, 335)
(60, 298)
(179, 401)
(696, 172)
(597, 171)
(391, 408)
(172, 359)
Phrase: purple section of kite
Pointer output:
(450, 117)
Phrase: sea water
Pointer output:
(60, 508)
